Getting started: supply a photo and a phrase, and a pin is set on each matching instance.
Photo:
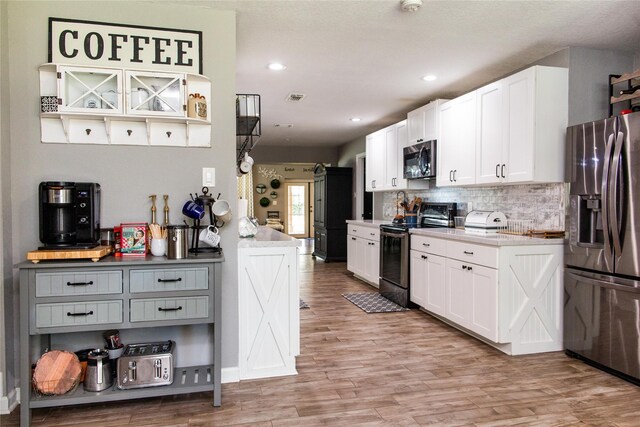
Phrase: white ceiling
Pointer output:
(365, 58)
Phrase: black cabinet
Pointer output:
(332, 207)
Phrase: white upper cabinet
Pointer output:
(456, 146)
(155, 94)
(536, 108)
(521, 124)
(375, 167)
(423, 124)
(489, 134)
(384, 158)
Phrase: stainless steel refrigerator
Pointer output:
(602, 257)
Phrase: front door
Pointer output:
(297, 209)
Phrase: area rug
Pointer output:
(372, 302)
(303, 305)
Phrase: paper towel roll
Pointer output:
(243, 206)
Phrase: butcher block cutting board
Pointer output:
(93, 254)
(56, 372)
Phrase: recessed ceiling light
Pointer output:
(276, 66)
(429, 78)
(355, 119)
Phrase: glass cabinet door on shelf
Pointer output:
(155, 94)
(90, 90)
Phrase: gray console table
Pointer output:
(118, 293)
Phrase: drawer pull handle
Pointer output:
(424, 256)
(179, 279)
(79, 314)
(468, 253)
(426, 244)
(353, 238)
(170, 309)
(80, 283)
(373, 234)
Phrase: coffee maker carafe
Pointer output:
(69, 214)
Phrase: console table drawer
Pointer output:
(173, 279)
(78, 313)
(78, 283)
(157, 309)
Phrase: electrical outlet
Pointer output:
(208, 177)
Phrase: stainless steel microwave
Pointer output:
(420, 160)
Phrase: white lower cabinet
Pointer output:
(510, 296)
(428, 275)
(363, 252)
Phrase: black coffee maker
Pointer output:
(69, 215)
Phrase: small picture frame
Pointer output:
(133, 239)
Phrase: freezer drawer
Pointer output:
(601, 320)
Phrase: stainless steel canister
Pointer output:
(177, 241)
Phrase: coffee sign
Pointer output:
(100, 44)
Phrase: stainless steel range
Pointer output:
(394, 249)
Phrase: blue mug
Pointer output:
(193, 210)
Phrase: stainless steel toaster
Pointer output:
(146, 365)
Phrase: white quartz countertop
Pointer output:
(495, 239)
(373, 223)
(268, 237)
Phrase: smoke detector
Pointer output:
(410, 5)
(295, 97)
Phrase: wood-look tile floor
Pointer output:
(384, 369)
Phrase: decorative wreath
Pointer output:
(275, 183)
(264, 202)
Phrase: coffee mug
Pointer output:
(221, 210)
(210, 236)
(193, 210)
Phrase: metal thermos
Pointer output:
(98, 376)
(177, 242)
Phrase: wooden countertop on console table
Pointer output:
(124, 261)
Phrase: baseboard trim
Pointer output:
(230, 375)
(9, 402)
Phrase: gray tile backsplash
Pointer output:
(542, 203)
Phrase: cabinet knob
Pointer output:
(88, 131)
(168, 134)
(469, 268)
(464, 267)
(129, 132)
(423, 256)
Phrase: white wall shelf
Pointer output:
(91, 107)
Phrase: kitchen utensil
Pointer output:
(166, 209)
(153, 208)
(222, 210)
(98, 375)
(193, 209)
(410, 218)
(158, 247)
(210, 236)
(246, 164)
(177, 245)
(56, 372)
(112, 338)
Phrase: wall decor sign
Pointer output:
(102, 44)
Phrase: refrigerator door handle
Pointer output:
(605, 198)
(630, 286)
(613, 197)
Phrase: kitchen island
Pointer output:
(269, 313)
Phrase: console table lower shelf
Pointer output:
(191, 379)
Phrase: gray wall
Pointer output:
(8, 353)
(347, 158)
(589, 71)
(290, 154)
(127, 174)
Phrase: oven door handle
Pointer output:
(400, 235)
